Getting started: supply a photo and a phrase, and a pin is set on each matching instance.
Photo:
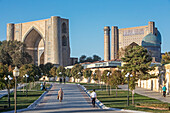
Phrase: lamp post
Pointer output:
(15, 74)
(26, 76)
(108, 74)
(127, 76)
(8, 88)
(60, 73)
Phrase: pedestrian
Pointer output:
(93, 96)
(164, 91)
(60, 95)
(41, 85)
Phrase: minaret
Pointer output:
(55, 22)
(10, 31)
(106, 43)
(151, 27)
(114, 43)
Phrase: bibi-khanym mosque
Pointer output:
(47, 41)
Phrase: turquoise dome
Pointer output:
(151, 40)
(159, 36)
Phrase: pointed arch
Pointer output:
(32, 28)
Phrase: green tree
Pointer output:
(87, 73)
(13, 53)
(75, 71)
(116, 79)
(166, 58)
(89, 59)
(82, 58)
(137, 62)
(96, 58)
(104, 77)
(62, 70)
(53, 71)
(4, 72)
(31, 70)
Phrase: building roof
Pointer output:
(151, 40)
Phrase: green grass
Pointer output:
(91, 86)
(22, 100)
(121, 101)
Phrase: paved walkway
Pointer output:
(148, 93)
(75, 100)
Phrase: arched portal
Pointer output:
(35, 46)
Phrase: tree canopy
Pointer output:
(84, 58)
(13, 53)
(166, 58)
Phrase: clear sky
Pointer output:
(88, 17)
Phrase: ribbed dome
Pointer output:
(151, 40)
(159, 36)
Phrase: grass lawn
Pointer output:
(22, 100)
(121, 101)
(91, 86)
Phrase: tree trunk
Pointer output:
(8, 97)
(110, 89)
(116, 91)
(106, 87)
(132, 97)
(100, 85)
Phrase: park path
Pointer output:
(148, 93)
(75, 100)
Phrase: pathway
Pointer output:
(149, 93)
(75, 100)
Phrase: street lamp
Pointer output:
(26, 76)
(127, 76)
(15, 74)
(108, 74)
(60, 73)
(8, 88)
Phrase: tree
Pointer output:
(89, 59)
(166, 58)
(137, 62)
(104, 77)
(75, 71)
(31, 70)
(87, 73)
(53, 71)
(46, 68)
(62, 70)
(116, 79)
(82, 58)
(13, 53)
(96, 58)
(4, 72)
(68, 73)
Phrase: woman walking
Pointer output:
(60, 95)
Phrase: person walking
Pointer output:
(93, 96)
(164, 91)
(60, 95)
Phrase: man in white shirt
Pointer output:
(93, 97)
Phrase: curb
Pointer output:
(33, 105)
(102, 106)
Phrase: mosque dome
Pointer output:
(151, 40)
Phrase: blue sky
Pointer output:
(88, 17)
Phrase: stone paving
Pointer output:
(75, 100)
